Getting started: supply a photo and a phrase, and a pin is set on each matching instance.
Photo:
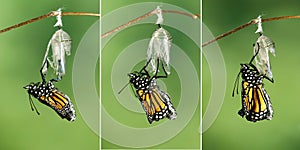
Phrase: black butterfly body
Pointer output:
(156, 103)
(256, 104)
(49, 95)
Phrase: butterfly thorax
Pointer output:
(251, 75)
(142, 81)
(40, 89)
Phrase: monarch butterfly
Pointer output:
(155, 102)
(256, 104)
(49, 95)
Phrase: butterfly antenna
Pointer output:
(123, 88)
(32, 105)
(235, 86)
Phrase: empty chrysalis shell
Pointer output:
(265, 45)
(159, 49)
(61, 45)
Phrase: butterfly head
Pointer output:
(31, 86)
(244, 67)
(135, 77)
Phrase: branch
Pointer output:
(50, 14)
(194, 16)
(253, 21)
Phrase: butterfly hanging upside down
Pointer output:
(49, 95)
(256, 104)
(156, 103)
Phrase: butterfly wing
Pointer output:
(171, 112)
(61, 104)
(52, 97)
(153, 105)
(156, 104)
(256, 103)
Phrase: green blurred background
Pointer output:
(189, 137)
(230, 131)
(22, 52)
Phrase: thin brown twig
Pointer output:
(194, 16)
(80, 14)
(229, 32)
(50, 14)
(253, 21)
(128, 23)
(145, 16)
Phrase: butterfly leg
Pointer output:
(163, 76)
(42, 70)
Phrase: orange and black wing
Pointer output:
(156, 105)
(256, 103)
(61, 104)
(47, 94)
